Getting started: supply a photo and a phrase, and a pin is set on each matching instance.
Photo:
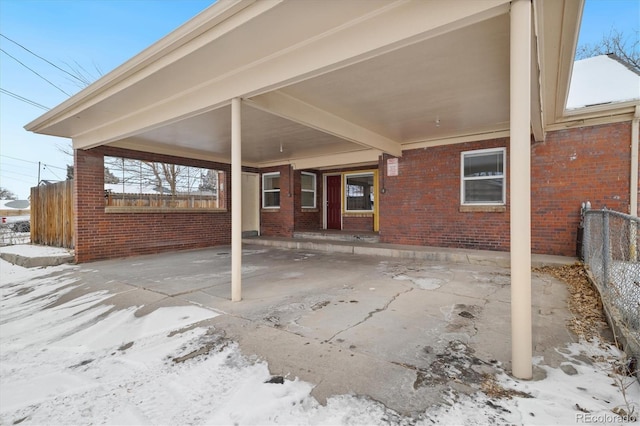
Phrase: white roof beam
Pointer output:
(354, 158)
(294, 109)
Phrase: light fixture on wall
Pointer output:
(437, 121)
(280, 146)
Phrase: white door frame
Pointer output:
(257, 200)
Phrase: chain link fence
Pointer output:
(17, 232)
(610, 251)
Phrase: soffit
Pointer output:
(265, 137)
(459, 79)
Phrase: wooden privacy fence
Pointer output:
(161, 200)
(52, 214)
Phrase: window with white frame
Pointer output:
(358, 192)
(483, 177)
(308, 186)
(271, 190)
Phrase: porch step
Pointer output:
(359, 237)
(438, 254)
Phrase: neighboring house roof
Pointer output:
(14, 204)
(118, 188)
(603, 79)
(126, 188)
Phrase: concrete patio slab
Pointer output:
(400, 330)
(35, 256)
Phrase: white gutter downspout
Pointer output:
(635, 123)
(633, 184)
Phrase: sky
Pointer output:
(90, 33)
(98, 36)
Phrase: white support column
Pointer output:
(236, 200)
(520, 173)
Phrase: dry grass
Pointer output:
(493, 389)
(584, 300)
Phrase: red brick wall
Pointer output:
(572, 166)
(101, 235)
(307, 219)
(421, 205)
(358, 222)
(279, 222)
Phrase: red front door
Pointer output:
(334, 207)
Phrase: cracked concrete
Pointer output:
(398, 330)
(371, 314)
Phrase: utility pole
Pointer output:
(38, 183)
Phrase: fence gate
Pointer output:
(52, 214)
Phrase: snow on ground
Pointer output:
(13, 219)
(82, 362)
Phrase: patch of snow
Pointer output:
(34, 250)
(81, 362)
(120, 188)
(13, 219)
(422, 283)
(15, 204)
(589, 396)
(601, 80)
(11, 274)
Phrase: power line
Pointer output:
(4, 172)
(44, 167)
(55, 167)
(19, 159)
(34, 162)
(25, 100)
(17, 180)
(38, 56)
(4, 166)
(18, 61)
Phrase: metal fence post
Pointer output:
(633, 241)
(586, 235)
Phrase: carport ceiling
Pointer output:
(265, 137)
(450, 85)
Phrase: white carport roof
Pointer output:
(333, 82)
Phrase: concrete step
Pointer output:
(438, 254)
(36, 256)
(360, 237)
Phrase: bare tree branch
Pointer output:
(625, 48)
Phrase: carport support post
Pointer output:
(236, 201)
(520, 173)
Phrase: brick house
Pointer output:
(431, 123)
